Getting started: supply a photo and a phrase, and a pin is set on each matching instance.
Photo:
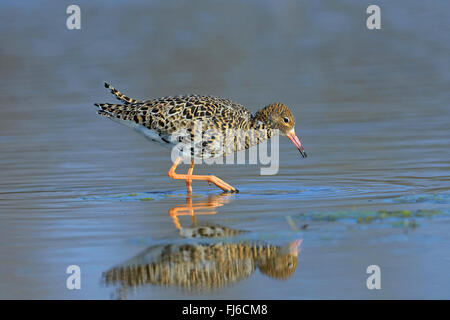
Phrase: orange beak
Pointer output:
(294, 247)
(296, 141)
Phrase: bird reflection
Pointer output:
(218, 260)
(198, 208)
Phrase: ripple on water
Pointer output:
(135, 196)
(257, 191)
(431, 198)
(306, 193)
(246, 192)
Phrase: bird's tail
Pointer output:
(125, 114)
(119, 111)
(125, 111)
(120, 95)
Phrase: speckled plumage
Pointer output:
(210, 126)
(200, 127)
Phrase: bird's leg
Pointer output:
(213, 179)
(189, 181)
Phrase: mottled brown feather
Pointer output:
(221, 121)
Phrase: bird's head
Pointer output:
(278, 116)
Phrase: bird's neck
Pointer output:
(259, 122)
(261, 116)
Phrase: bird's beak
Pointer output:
(294, 247)
(296, 141)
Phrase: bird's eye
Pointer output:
(286, 120)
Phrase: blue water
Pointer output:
(372, 110)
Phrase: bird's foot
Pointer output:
(221, 184)
(189, 177)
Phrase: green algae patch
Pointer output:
(133, 196)
(433, 198)
(428, 213)
(404, 215)
(146, 199)
(367, 217)
(407, 224)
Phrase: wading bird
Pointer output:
(205, 126)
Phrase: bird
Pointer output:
(201, 126)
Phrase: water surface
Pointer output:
(372, 111)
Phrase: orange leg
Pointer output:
(189, 177)
(189, 181)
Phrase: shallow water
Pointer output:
(372, 111)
